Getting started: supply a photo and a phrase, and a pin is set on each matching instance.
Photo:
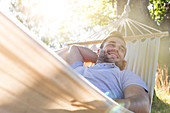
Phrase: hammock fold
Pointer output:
(142, 58)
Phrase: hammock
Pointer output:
(143, 44)
(34, 79)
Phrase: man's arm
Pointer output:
(78, 53)
(135, 99)
(63, 53)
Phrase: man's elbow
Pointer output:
(142, 106)
(146, 107)
(148, 104)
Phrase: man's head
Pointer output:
(112, 49)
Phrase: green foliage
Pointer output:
(98, 12)
(158, 9)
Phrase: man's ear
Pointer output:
(98, 51)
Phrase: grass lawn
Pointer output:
(161, 97)
(160, 106)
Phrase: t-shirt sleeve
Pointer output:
(76, 64)
(130, 78)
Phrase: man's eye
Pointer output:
(113, 45)
(122, 50)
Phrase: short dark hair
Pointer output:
(112, 35)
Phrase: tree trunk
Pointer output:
(140, 13)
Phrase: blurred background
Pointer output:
(59, 22)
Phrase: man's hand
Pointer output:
(96, 104)
(63, 53)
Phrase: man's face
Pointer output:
(114, 50)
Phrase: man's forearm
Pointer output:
(137, 104)
(77, 53)
(87, 54)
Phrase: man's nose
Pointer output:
(115, 49)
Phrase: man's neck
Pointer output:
(100, 61)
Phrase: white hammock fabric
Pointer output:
(142, 58)
(35, 80)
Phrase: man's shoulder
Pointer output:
(127, 74)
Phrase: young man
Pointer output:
(108, 75)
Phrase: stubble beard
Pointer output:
(103, 58)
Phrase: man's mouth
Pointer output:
(112, 53)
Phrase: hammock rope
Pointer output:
(123, 22)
